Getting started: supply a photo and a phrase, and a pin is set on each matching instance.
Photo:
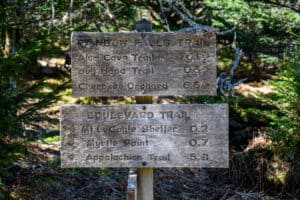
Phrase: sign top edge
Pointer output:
(80, 33)
(128, 105)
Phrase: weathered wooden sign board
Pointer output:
(184, 135)
(143, 64)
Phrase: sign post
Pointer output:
(145, 135)
(144, 186)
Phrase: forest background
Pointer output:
(264, 113)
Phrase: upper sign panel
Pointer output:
(143, 64)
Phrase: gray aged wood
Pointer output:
(193, 135)
(143, 64)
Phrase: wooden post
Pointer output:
(144, 190)
(145, 183)
(144, 175)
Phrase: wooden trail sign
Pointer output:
(143, 64)
(193, 135)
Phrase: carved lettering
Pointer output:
(142, 71)
(117, 129)
(200, 70)
(152, 42)
(109, 115)
(173, 114)
(86, 129)
(159, 129)
(112, 157)
(135, 143)
(198, 156)
(100, 87)
(152, 135)
(110, 58)
(199, 128)
(142, 58)
(142, 64)
(91, 71)
(198, 142)
(190, 43)
(155, 157)
(147, 86)
(91, 143)
(91, 42)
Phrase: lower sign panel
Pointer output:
(144, 135)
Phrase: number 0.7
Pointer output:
(200, 142)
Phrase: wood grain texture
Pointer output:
(145, 183)
(143, 64)
(168, 135)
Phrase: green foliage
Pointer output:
(11, 153)
(263, 30)
(284, 124)
(259, 25)
(34, 32)
(280, 116)
(21, 95)
(50, 136)
(21, 106)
